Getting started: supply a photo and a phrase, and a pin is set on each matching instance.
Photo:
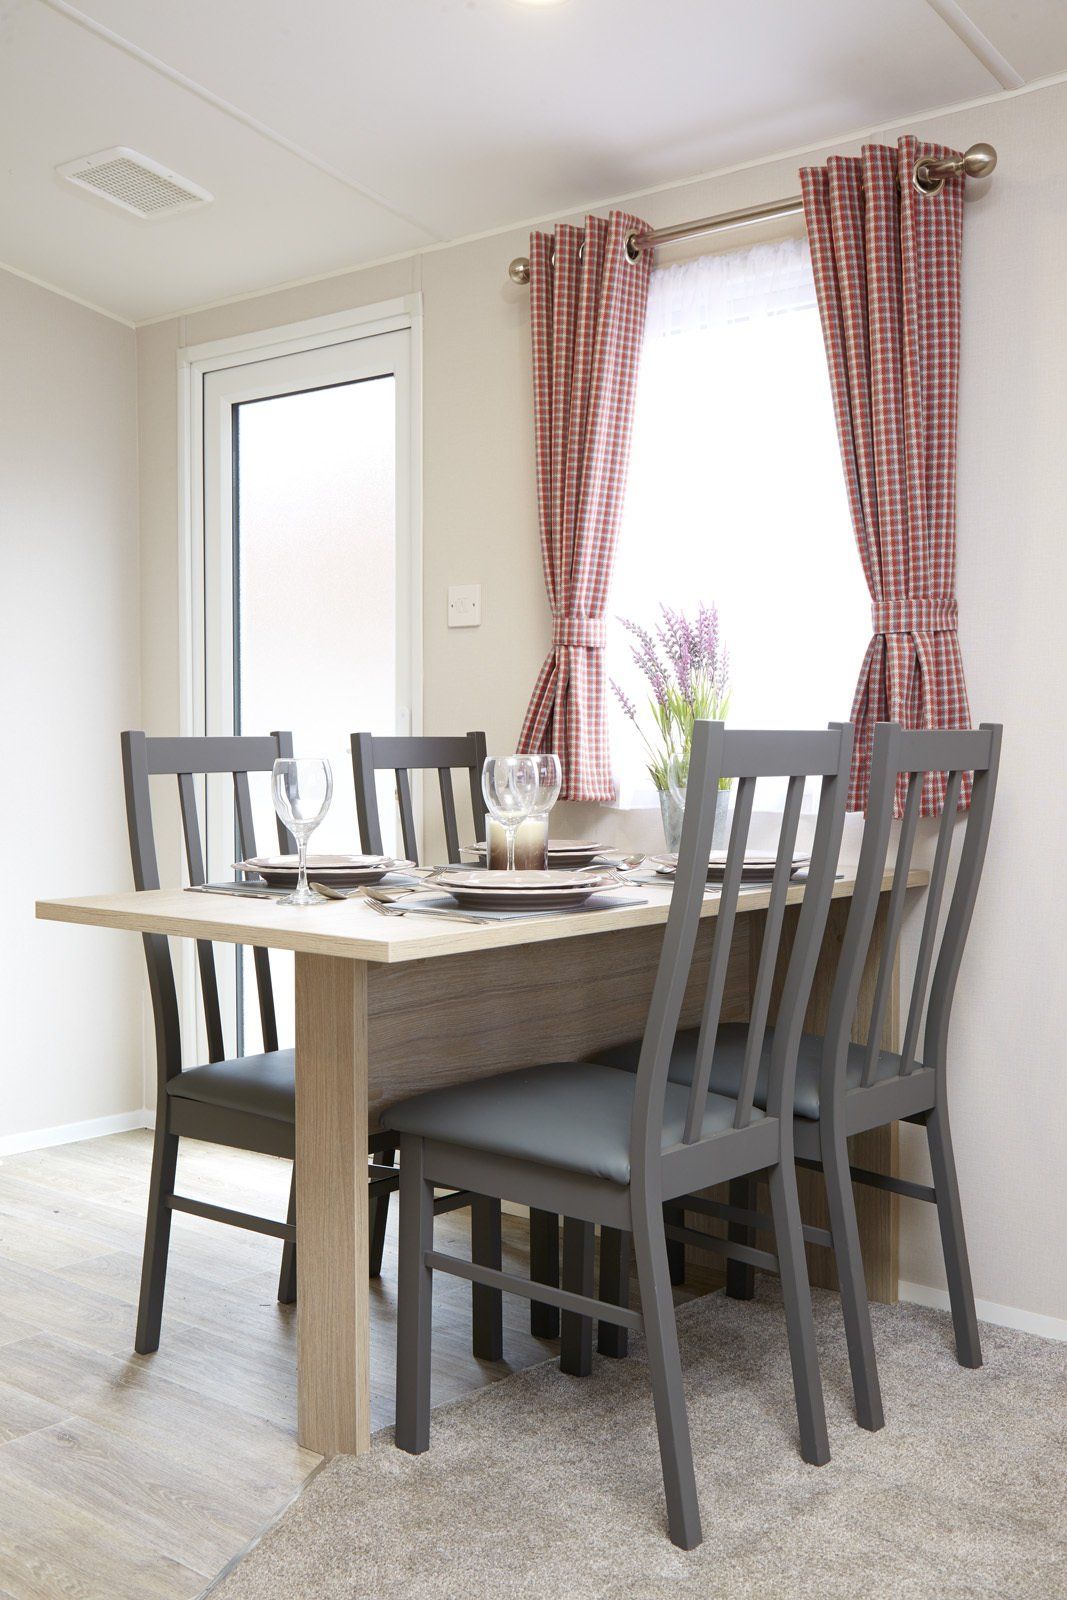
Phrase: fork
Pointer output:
(447, 913)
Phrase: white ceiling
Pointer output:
(334, 132)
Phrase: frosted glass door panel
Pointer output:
(315, 516)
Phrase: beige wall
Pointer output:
(69, 648)
(480, 525)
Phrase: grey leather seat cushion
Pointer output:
(569, 1114)
(729, 1059)
(263, 1085)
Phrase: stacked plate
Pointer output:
(561, 852)
(343, 871)
(487, 889)
(758, 867)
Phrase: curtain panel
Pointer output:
(587, 311)
(886, 261)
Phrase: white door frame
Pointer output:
(194, 363)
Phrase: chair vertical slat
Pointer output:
(146, 876)
(283, 741)
(363, 772)
(407, 814)
(205, 954)
(772, 935)
(246, 838)
(894, 922)
(928, 939)
(448, 811)
(961, 908)
(720, 957)
(477, 763)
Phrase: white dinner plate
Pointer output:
(758, 865)
(338, 869)
(514, 891)
(563, 852)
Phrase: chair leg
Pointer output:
(953, 1240)
(287, 1276)
(853, 1283)
(740, 1278)
(157, 1237)
(385, 1156)
(576, 1331)
(487, 1315)
(544, 1268)
(665, 1370)
(414, 1302)
(611, 1339)
(674, 1217)
(800, 1326)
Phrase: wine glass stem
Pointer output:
(302, 867)
(510, 832)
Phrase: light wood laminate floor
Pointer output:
(126, 1477)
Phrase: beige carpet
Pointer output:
(549, 1487)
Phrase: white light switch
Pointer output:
(464, 605)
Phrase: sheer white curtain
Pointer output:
(736, 496)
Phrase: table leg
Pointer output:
(333, 1389)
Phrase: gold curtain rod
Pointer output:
(928, 177)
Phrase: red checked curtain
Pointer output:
(587, 307)
(887, 272)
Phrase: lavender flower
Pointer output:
(688, 674)
(625, 702)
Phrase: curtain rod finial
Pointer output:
(519, 269)
(979, 160)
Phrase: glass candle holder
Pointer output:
(531, 845)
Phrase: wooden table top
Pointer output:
(349, 928)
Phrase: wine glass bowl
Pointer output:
(549, 783)
(510, 785)
(302, 787)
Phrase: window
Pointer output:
(736, 496)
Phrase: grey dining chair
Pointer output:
(844, 1088)
(601, 1146)
(404, 755)
(245, 1102)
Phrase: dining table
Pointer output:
(389, 1006)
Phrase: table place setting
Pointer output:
(517, 873)
(520, 874)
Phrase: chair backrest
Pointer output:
(186, 759)
(745, 756)
(372, 754)
(898, 751)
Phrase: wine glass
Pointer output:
(302, 788)
(549, 783)
(510, 786)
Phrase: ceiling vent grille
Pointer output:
(140, 186)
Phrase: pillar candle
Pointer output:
(531, 844)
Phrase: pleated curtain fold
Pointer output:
(587, 309)
(886, 261)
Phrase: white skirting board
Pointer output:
(920, 1294)
(13, 1144)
